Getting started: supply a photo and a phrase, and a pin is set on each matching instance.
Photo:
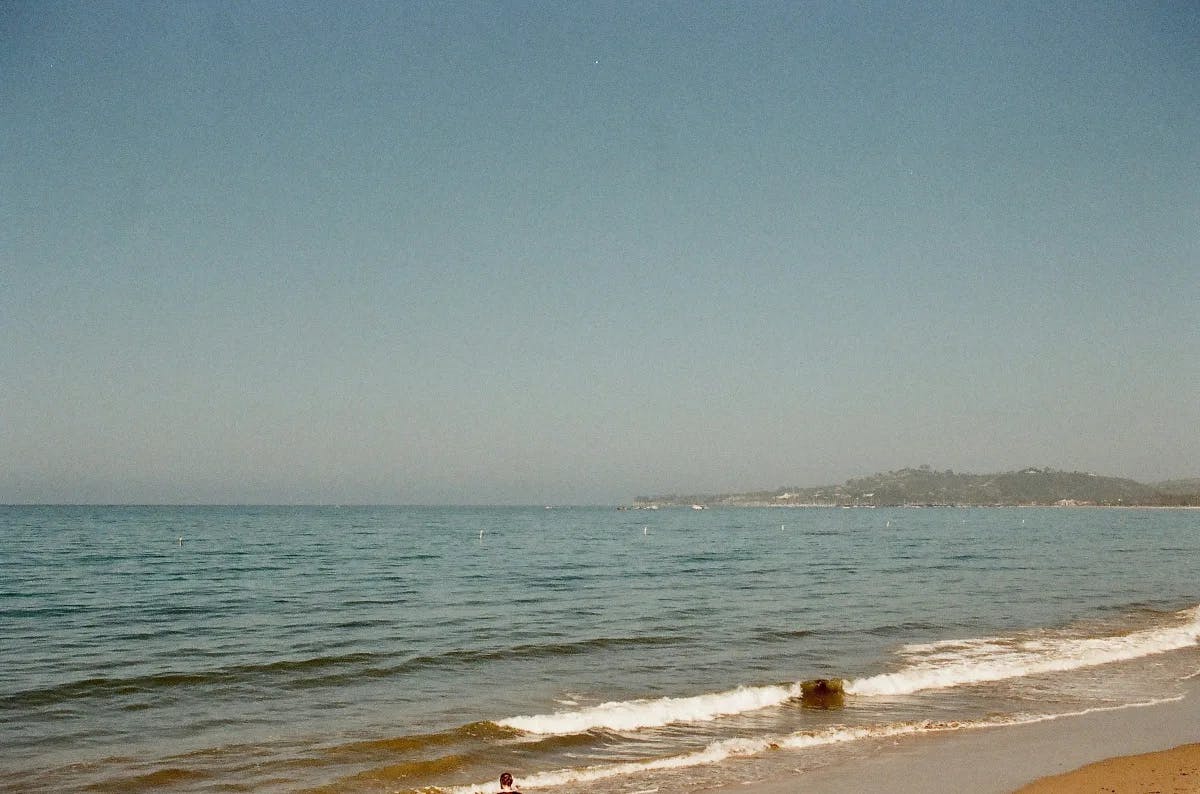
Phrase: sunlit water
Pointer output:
(397, 649)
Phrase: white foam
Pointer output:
(954, 663)
(651, 713)
(937, 665)
(743, 747)
(711, 754)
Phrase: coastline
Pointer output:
(1005, 759)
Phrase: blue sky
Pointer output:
(576, 252)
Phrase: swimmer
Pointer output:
(506, 784)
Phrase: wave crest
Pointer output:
(719, 751)
(952, 663)
(652, 713)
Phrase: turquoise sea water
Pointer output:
(428, 649)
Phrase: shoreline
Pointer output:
(905, 506)
(1003, 760)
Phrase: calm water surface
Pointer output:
(408, 649)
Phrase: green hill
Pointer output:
(926, 486)
(1188, 487)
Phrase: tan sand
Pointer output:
(1175, 771)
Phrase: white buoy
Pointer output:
(645, 530)
(181, 541)
(481, 534)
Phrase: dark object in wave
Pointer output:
(822, 693)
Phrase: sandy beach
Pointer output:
(1174, 771)
(1104, 751)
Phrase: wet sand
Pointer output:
(1003, 760)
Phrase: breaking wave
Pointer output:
(938, 665)
(951, 663)
(652, 713)
(722, 750)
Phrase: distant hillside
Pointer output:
(925, 486)
(1179, 487)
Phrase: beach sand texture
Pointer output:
(1174, 771)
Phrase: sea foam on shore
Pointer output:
(1000, 760)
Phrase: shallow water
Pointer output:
(394, 649)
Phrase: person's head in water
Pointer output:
(505, 781)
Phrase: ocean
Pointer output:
(410, 649)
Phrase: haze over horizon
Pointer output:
(544, 253)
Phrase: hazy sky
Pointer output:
(575, 252)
